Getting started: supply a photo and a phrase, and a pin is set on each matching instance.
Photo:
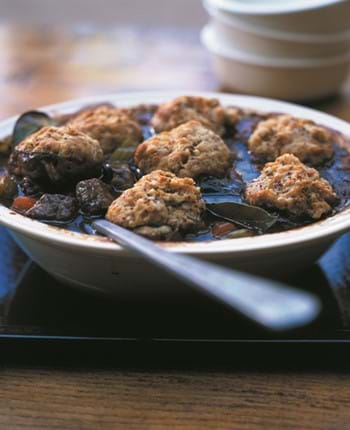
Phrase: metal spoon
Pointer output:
(270, 304)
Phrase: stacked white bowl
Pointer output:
(288, 49)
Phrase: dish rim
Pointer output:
(277, 8)
(275, 34)
(329, 227)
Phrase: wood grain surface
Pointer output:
(63, 399)
(39, 67)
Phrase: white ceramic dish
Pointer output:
(288, 79)
(304, 16)
(98, 264)
(237, 34)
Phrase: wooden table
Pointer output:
(39, 67)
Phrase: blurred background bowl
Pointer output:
(305, 16)
(289, 79)
(262, 41)
(293, 49)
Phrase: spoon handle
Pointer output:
(270, 304)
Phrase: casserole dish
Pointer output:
(96, 263)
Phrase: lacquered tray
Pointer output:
(39, 314)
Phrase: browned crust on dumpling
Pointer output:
(284, 134)
(159, 205)
(287, 184)
(190, 150)
(208, 112)
(111, 126)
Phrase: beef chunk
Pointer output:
(30, 188)
(94, 196)
(57, 155)
(123, 178)
(54, 207)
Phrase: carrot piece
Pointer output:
(222, 228)
(22, 204)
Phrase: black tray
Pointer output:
(38, 314)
